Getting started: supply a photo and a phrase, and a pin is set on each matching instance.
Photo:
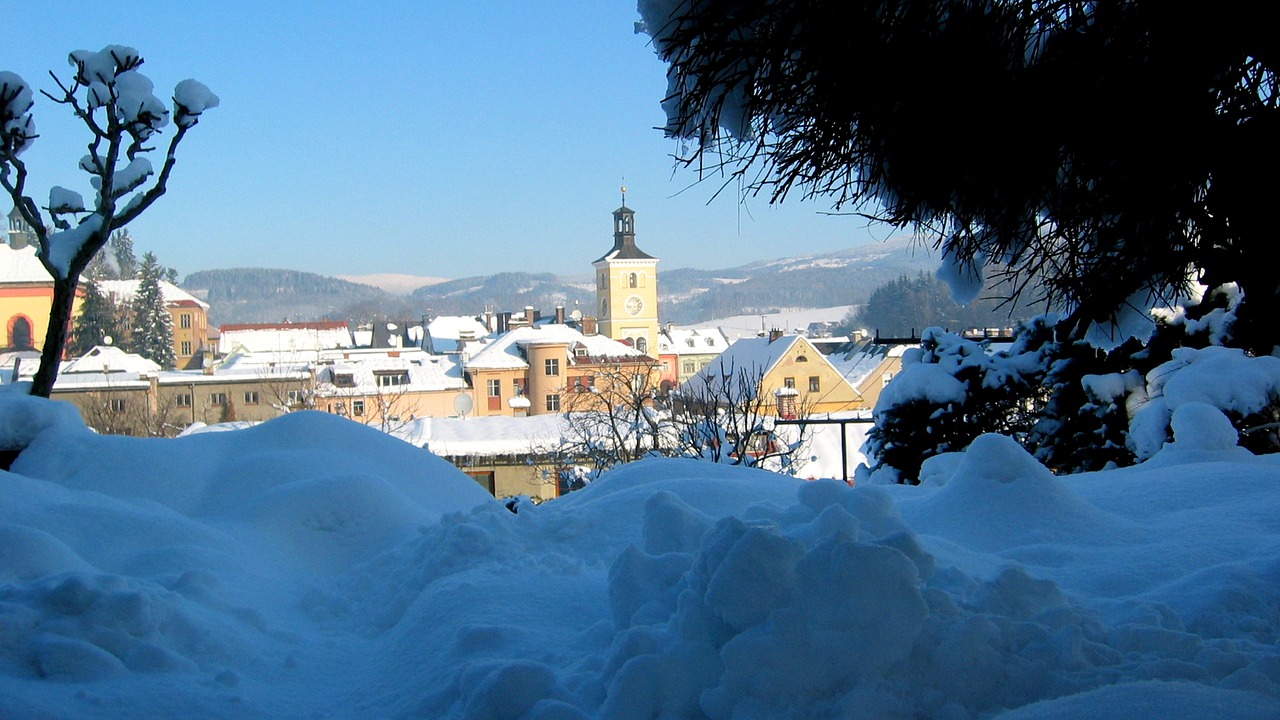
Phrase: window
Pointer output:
(642, 344)
(117, 405)
(689, 342)
(357, 408)
(815, 385)
(217, 398)
(495, 388)
(184, 320)
(789, 382)
(802, 358)
(517, 386)
(186, 347)
(631, 280)
(711, 342)
(251, 397)
(687, 368)
(553, 403)
(392, 379)
(344, 379)
(604, 281)
(183, 400)
(552, 366)
(295, 398)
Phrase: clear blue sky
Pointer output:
(432, 138)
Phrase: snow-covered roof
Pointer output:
(860, 361)
(425, 372)
(446, 332)
(285, 337)
(172, 294)
(110, 359)
(21, 266)
(507, 350)
(486, 436)
(692, 341)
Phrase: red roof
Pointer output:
(322, 325)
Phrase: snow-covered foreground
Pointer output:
(310, 567)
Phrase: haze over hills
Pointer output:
(687, 296)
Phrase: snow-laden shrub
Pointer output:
(1076, 407)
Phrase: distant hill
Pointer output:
(687, 296)
(268, 295)
(396, 283)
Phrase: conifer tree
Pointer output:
(152, 327)
(97, 321)
(122, 252)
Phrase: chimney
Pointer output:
(529, 315)
(589, 325)
(774, 334)
(488, 319)
(559, 314)
(504, 322)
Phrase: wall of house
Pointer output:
(803, 362)
(484, 405)
(507, 477)
(541, 385)
(190, 334)
(32, 303)
(399, 406)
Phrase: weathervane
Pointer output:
(624, 192)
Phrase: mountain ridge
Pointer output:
(686, 295)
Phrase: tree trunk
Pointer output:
(55, 338)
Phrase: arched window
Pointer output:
(642, 345)
(604, 307)
(20, 332)
(632, 280)
(802, 358)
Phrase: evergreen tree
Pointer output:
(122, 253)
(97, 321)
(152, 327)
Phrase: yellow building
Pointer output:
(784, 372)
(188, 314)
(529, 370)
(627, 286)
(26, 291)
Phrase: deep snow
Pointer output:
(310, 567)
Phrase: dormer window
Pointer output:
(344, 380)
(392, 379)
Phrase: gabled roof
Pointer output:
(172, 294)
(506, 352)
(21, 266)
(109, 359)
(857, 361)
(756, 357)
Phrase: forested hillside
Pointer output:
(846, 277)
(271, 295)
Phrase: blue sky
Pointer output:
(443, 139)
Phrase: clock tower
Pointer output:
(627, 286)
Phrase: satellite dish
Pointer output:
(462, 403)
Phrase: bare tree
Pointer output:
(611, 415)
(620, 416)
(725, 416)
(116, 105)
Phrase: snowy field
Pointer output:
(310, 567)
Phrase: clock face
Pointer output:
(634, 305)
